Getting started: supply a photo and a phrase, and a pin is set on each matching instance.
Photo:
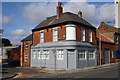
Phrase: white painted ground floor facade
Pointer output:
(63, 55)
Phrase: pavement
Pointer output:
(5, 73)
(25, 72)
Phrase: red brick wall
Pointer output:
(61, 33)
(26, 52)
(111, 48)
(94, 37)
(48, 35)
(21, 55)
(86, 35)
(15, 54)
(36, 37)
(78, 33)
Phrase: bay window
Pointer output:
(70, 32)
(82, 34)
(90, 35)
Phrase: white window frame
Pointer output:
(117, 40)
(39, 54)
(42, 36)
(60, 54)
(55, 36)
(70, 32)
(34, 54)
(26, 45)
(45, 54)
(82, 52)
(91, 54)
(26, 58)
(82, 34)
(112, 55)
(90, 35)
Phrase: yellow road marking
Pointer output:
(19, 74)
(98, 68)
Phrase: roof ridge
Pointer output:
(27, 38)
(111, 26)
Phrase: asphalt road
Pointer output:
(111, 72)
(105, 72)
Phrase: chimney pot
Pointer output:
(102, 23)
(45, 18)
(80, 14)
(59, 4)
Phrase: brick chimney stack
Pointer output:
(80, 14)
(102, 23)
(59, 10)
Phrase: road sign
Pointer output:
(54, 51)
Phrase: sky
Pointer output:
(19, 18)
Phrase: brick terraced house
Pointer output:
(109, 36)
(26, 44)
(63, 41)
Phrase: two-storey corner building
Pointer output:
(64, 41)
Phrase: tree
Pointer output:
(6, 42)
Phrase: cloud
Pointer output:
(36, 12)
(107, 12)
(5, 20)
(19, 34)
(15, 40)
(91, 12)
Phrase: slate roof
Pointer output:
(28, 38)
(64, 17)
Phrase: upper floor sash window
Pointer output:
(82, 34)
(42, 36)
(55, 34)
